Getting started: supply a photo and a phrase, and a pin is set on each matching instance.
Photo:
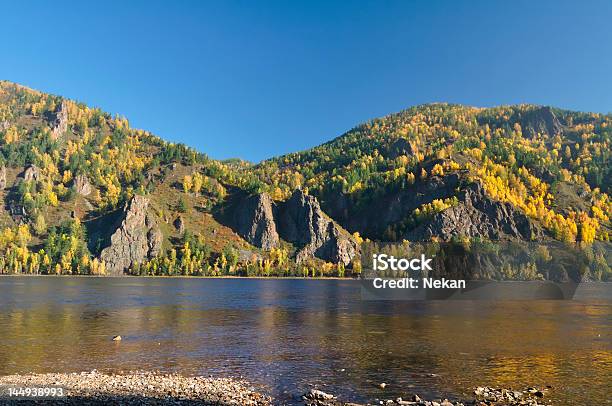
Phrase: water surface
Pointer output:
(289, 334)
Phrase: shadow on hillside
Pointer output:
(100, 229)
(224, 214)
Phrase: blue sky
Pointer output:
(254, 79)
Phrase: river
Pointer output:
(287, 335)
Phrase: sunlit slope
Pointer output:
(431, 172)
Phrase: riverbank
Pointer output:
(134, 388)
(150, 388)
(482, 396)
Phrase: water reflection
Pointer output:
(287, 334)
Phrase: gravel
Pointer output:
(484, 396)
(151, 388)
(139, 388)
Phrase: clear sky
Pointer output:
(253, 79)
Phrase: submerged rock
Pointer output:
(136, 239)
(316, 397)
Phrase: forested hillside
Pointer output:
(69, 175)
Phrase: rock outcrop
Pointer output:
(60, 121)
(254, 221)
(374, 218)
(302, 222)
(179, 224)
(82, 185)
(136, 239)
(541, 120)
(477, 215)
(2, 177)
(399, 147)
(17, 211)
(31, 173)
(299, 220)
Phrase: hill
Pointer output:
(84, 192)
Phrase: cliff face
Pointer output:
(373, 219)
(299, 220)
(477, 215)
(541, 120)
(31, 173)
(59, 121)
(255, 221)
(82, 185)
(135, 239)
(2, 177)
(303, 223)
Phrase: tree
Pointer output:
(182, 205)
(40, 225)
(187, 183)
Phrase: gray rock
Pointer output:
(17, 211)
(316, 397)
(2, 177)
(302, 222)
(254, 221)
(477, 215)
(373, 219)
(299, 220)
(179, 224)
(31, 173)
(60, 121)
(155, 239)
(136, 239)
(541, 120)
(317, 394)
(399, 147)
(81, 185)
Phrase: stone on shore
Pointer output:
(140, 388)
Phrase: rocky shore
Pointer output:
(137, 388)
(150, 388)
(482, 396)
